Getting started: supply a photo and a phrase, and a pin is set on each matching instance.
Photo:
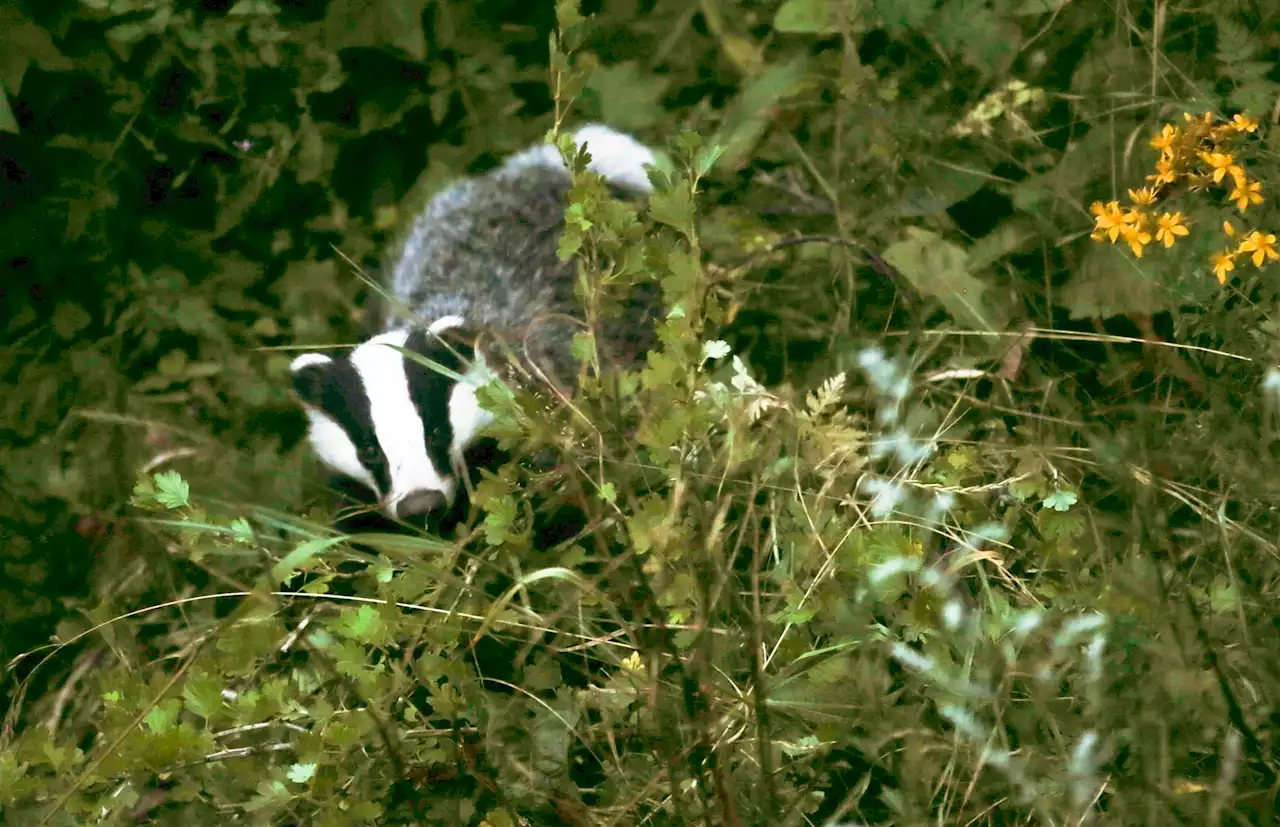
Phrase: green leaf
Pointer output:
(498, 521)
(202, 694)
(543, 676)
(1257, 95)
(570, 242)
(743, 52)
(896, 15)
(748, 118)
(1009, 236)
(937, 188)
(682, 276)
(69, 319)
(241, 531)
(446, 700)
(568, 14)
(1056, 525)
(962, 458)
(60, 758)
(673, 207)
(1223, 596)
(1025, 489)
(1235, 42)
(687, 144)
(123, 37)
(298, 558)
(363, 624)
(314, 157)
(706, 159)
(8, 122)
(1111, 282)
(301, 773)
(972, 29)
(553, 734)
(1038, 6)
(583, 347)
(377, 23)
(1060, 500)
(270, 794)
(1104, 60)
(366, 811)
(805, 17)
(172, 490)
(163, 717)
(938, 268)
(628, 97)
(22, 43)
(144, 492)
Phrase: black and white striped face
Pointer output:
(389, 422)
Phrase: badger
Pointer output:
(479, 259)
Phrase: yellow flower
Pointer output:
(1142, 197)
(1228, 229)
(1222, 163)
(1244, 123)
(1169, 226)
(1247, 193)
(1135, 232)
(1262, 245)
(1165, 173)
(1223, 263)
(1167, 139)
(1109, 222)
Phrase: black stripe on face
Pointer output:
(429, 389)
(342, 396)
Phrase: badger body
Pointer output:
(479, 260)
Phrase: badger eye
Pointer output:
(367, 454)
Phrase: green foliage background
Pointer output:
(1009, 565)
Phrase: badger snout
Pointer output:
(420, 503)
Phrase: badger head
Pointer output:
(391, 423)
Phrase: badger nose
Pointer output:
(419, 503)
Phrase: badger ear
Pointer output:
(310, 375)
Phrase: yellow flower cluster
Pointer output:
(1195, 155)
(1259, 246)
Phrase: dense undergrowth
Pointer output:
(933, 506)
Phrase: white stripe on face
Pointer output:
(397, 422)
(465, 413)
(334, 448)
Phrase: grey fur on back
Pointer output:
(484, 249)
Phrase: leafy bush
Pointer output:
(927, 509)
